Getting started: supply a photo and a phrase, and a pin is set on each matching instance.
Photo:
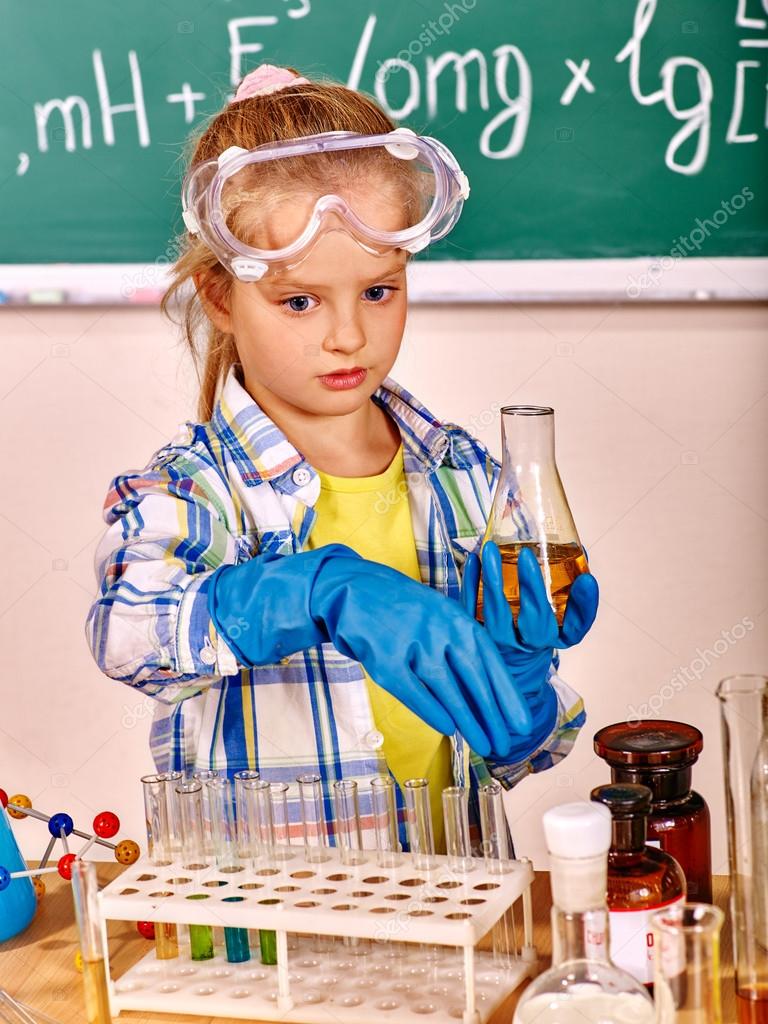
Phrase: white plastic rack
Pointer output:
(404, 946)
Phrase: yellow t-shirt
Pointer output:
(371, 515)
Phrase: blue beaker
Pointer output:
(17, 900)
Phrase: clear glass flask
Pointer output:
(530, 508)
(583, 984)
(686, 943)
(744, 720)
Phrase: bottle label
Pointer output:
(632, 940)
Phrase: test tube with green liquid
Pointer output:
(190, 804)
(224, 840)
(261, 829)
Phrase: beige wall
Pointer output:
(661, 419)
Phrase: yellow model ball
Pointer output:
(39, 885)
(127, 852)
(21, 801)
(79, 961)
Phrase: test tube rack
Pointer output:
(416, 929)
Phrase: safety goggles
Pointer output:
(261, 210)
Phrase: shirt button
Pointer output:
(374, 740)
(301, 476)
(208, 656)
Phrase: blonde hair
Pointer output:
(296, 111)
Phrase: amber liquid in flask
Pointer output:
(530, 509)
(560, 564)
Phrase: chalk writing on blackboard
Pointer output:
(420, 78)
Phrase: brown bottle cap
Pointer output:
(649, 743)
(624, 799)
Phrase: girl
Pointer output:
(284, 577)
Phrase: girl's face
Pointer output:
(340, 309)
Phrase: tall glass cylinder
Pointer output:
(686, 940)
(744, 717)
(84, 891)
(530, 508)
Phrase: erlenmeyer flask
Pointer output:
(530, 508)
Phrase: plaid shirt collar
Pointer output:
(264, 454)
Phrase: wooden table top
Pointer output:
(37, 967)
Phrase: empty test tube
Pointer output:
(224, 839)
(258, 808)
(347, 812)
(243, 838)
(193, 857)
(421, 838)
(313, 818)
(278, 795)
(385, 820)
(157, 810)
(84, 892)
(498, 855)
(456, 821)
(204, 776)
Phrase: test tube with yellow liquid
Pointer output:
(530, 509)
(85, 888)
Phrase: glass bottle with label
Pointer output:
(661, 754)
(641, 879)
(530, 509)
(582, 984)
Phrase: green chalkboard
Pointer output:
(571, 152)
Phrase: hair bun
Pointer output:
(267, 78)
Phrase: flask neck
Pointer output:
(528, 437)
(579, 911)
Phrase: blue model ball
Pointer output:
(58, 822)
(5, 878)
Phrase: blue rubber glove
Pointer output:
(418, 645)
(527, 646)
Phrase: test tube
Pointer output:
(498, 856)
(223, 835)
(456, 820)
(190, 801)
(313, 818)
(278, 794)
(385, 821)
(85, 888)
(204, 776)
(243, 838)
(258, 806)
(421, 839)
(347, 812)
(157, 815)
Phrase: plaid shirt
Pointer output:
(221, 492)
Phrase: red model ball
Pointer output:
(3, 798)
(146, 928)
(106, 824)
(65, 866)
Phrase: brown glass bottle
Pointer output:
(641, 879)
(661, 754)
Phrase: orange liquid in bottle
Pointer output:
(566, 562)
(752, 1004)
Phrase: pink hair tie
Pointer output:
(264, 79)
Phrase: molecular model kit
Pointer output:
(61, 826)
(249, 925)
